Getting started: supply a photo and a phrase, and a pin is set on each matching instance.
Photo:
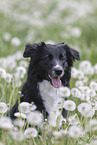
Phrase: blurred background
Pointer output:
(73, 22)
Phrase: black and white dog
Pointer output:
(49, 69)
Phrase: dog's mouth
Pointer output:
(56, 82)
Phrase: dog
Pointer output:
(49, 69)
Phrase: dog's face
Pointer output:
(53, 60)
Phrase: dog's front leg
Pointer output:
(13, 110)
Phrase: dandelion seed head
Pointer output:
(7, 36)
(69, 105)
(79, 84)
(19, 122)
(85, 66)
(74, 131)
(20, 115)
(64, 91)
(76, 32)
(93, 85)
(92, 124)
(24, 107)
(20, 72)
(93, 142)
(33, 107)
(15, 41)
(50, 42)
(84, 89)
(73, 120)
(30, 133)
(86, 110)
(6, 123)
(1, 143)
(74, 72)
(3, 107)
(60, 134)
(18, 55)
(23, 63)
(75, 92)
(2, 73)
(91, 93)
(17, 135)
(8, 78)
(79, 75)
(35, 118)
(95, 68)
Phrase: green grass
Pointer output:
(49, 23)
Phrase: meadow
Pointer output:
(73, 22)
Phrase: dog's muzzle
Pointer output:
(57, 73)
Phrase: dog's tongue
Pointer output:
(56, 82)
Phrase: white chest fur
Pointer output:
(49, 95)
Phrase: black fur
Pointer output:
(43, 59)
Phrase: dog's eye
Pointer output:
(61, 58)
(49, 57)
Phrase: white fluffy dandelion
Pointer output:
(7, 36)
(93, 85)
(30, 133)
(73, 120)
(19, 122)
(95, 105)
(8, 78)
(76, 32)
(85, 66)
(17, 135)
(2, 72)
(59, 134)
(24, 107)
(23, 63)
(20, 115)
(5, 123)
(80, 75)
(74, 131)
(18, 55)
(15, 41)
(1, 143)
(3, 107)
(79, 84)
(69, 105)
(86, 110)
(74, 72)
(75, 92)
(84, 90)
(33, 107)
(95, 68)
(91, 93)
(20, 72)
(92, 124)
(64, 92)
(35, 118)
(93, 142)
(50, 42)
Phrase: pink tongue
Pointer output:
(56, 82)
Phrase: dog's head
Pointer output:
(51, 61)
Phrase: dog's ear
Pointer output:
(72, 54)
(31, 49)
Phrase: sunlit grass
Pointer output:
(34, 21)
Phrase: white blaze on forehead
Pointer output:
(57, 65)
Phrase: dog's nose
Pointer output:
(58, 71)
